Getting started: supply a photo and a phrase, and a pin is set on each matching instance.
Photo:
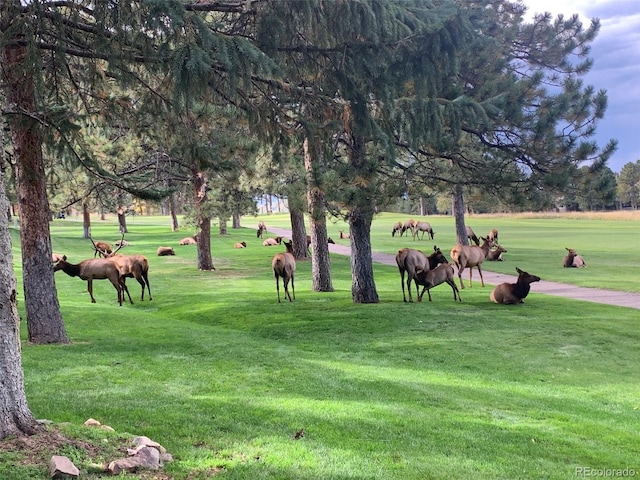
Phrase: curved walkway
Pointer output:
(608, 297)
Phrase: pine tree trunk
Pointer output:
(199, 183)
(363, 287)
(298, 234)
(458, 214)
(15, 416)
(235, 219)
(223, 226)
(44, 320)
(172, 212)
(122, 220)
(86, 221)
(320, 266)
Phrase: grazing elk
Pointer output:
(410, 260)
(573, 260)
(344, 235)
(94, 269)
(101, 248)
(270, 242)
(133, 266)
(469, 256)
(495, 254)
(407, 226)
(493, 236)
(284, 265)
(262, 229)
(432, 278)
(329, 241)
(472, 236)
(422, 227)
(397, 228)
(510, 293)
(165, 251)
(188, 241)
(242, 244)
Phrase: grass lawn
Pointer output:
(224, 377)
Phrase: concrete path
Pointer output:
(608, 297)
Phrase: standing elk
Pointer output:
(495, 254)
(493, 235)
(397, 228)
(469, 256)
(432, 278)
(422, 227)
(472, 236)
(101, 248)
(133, 266)
(165, 251)
(94, 269)
(513, 293)
(284, 265)
(410, 261)
(407, 226)
(573, 260)
(262, 229)
(188, 241)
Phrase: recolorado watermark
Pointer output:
(590, 472)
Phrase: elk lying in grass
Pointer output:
(422, 227)
(432, 278)
(94, 269)
(397, 228)
(573, 260)
(407, 226)
(270, 242)
(472, 236)
(495, 254)
(165, 251)
(284, 265)
(188, 241)
(262, 229)
(511, 293)
(344, 235)
(410, 260)
(56, 257)
(242, 244)
(469, 256)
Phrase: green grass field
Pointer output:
(223, 376)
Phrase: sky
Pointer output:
(616, 68)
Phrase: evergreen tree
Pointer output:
(628, 181)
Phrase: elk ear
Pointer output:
(518, 270)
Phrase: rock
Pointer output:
(62, 467)
(147, 457)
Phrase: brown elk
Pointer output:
(407, 226)
(495, 254)
(510, 293)
(165, 251)
(270, 242)
(242, 244)
(94, 269)
(493, 235)
(188, 241)
(262, 229)
(432, 278)
(397, 228)
(410, 260)
(56, 257)
(101, 248)
(344, 235)
(422, 227)
(472, 236)
(133, 266)
(469, 256)
(573, 260)
(284, 265)
(329, 241)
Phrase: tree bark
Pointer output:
(298, 233)
(223, 226)
(199, 182)
(122, 220)
(172, 212)
(457, 204)
(15, 416)
(44, 320)
(235, 219)
(320, 264)
(86, 221)
(363, 287)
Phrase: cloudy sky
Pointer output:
(616, 69)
